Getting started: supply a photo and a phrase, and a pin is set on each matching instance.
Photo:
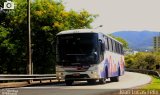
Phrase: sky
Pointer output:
(121, 15)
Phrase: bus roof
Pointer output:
(85, 31)
(78, 31)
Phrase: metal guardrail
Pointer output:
(149, 72)
(18, 77)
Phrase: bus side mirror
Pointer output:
(102, 46)
(95, 56)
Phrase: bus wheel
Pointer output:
(91, 81)
(102, 80)
(69, 82)
(114, 79)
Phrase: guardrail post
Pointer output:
(29, 82)
(40, 81)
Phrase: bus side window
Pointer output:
(102, 50)
(121, 49)
(113, 46)
(107, 44)
(110, 44)
(117, 47)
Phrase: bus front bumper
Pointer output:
(77, 75)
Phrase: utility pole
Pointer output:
(29, 40)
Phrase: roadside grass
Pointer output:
(155, 84)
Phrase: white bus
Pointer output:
(85, 54)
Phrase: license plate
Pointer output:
(77, 74)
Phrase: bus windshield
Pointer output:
(77, 48)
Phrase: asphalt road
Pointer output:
(129, 80)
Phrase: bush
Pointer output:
(143, 60)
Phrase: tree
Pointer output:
(143, 60)
(129, 61)
(48, 17)
(151, 60)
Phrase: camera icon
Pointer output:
(8, 5)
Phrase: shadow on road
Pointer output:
(62, 83)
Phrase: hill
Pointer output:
(138, 40)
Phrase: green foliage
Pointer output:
(48, 17)
(1, 3)
(143, 60)
(154, 84)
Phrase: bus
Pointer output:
(88, 55)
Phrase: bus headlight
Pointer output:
(93, 72)
(60, 74)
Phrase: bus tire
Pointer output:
(69, 82)
(102, 80)
(106, 72)
(119, 71)
(114, 79)
(91, 81)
